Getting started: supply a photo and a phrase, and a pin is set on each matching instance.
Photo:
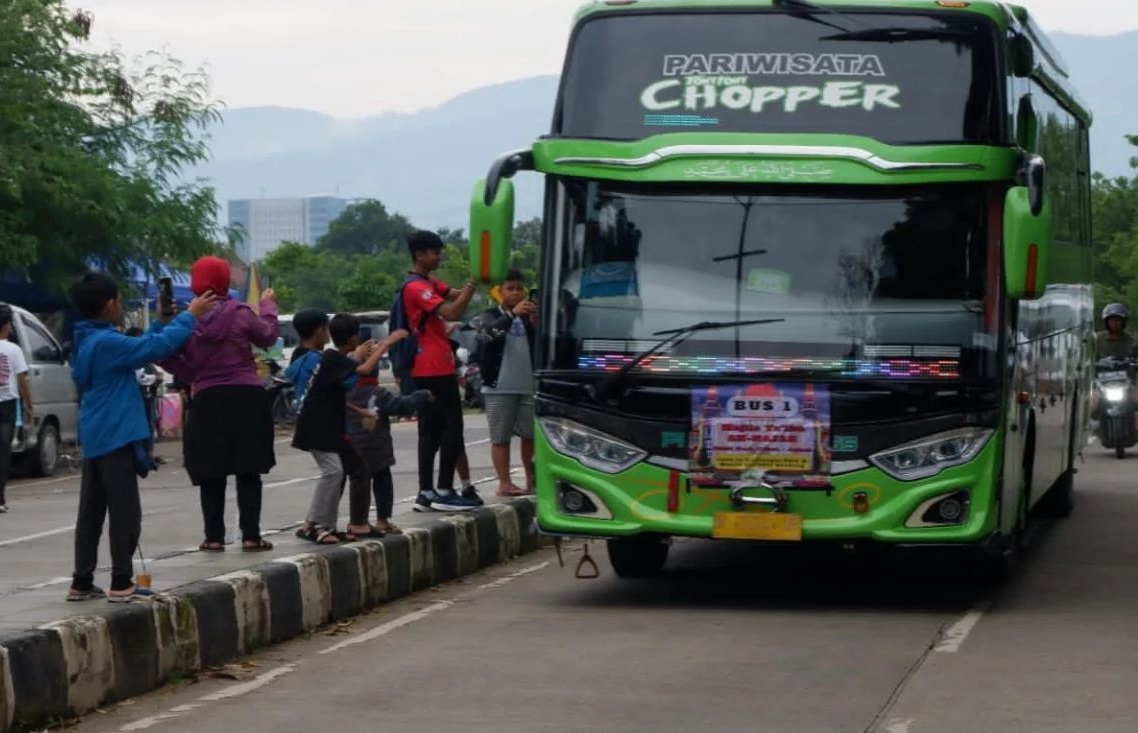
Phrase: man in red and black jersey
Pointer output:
(429, 303)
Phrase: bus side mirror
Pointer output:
(491, 228)
(1027, 235)
(1022, 56)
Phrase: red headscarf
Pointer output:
(210, 273)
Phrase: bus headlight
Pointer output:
(1114, 394)
(591, 447)
(929, 456)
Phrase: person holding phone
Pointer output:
(506, 337)
(229, 431)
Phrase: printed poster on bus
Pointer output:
(753, 429)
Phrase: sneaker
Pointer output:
(423, 502)
(471, 494)
(90, 594)
(452, 501)
(3, 508)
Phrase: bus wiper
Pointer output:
(673, 336)
(896, 35)
(813, 8)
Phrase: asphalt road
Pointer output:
(731, 638)
(37, 535)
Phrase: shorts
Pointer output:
(509, 415)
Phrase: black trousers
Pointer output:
(7, 435)
(440, 431)
(109, 488)
(248, 507)
(359, 483)
(383, 489)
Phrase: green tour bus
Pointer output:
(813, 272)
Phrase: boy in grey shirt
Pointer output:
(507, 336)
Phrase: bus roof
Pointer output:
(1051, 67)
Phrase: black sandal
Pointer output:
(211, 546)
(260, 545)
(319, 535)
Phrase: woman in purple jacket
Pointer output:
(230, 429)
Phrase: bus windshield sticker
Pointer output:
(704, 82)
(743, 429)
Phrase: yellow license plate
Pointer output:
(755, 526)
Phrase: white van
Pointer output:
(373, 325)
(56, 401)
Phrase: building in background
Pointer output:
(268, 222)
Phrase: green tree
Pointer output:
(528, 233)
(369, 286)
(364, 228)
(93, 152)
(1114, 211)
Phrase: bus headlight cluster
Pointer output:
(929, 456)
(591, 447)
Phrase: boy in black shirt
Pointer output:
(321, 428)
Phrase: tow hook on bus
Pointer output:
(586, 561)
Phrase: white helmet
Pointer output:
(1115, 310)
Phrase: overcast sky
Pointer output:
(352, 58)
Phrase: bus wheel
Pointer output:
(638, 557)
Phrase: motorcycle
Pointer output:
(282, 393)
(1114, 383)
(470, 377)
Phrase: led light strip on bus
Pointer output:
(889, 368)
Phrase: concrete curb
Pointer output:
(70, 667)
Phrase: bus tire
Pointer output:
(638, 557)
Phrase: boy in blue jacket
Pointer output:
(112, 427)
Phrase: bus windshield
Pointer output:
(855, 275)
(921, 79)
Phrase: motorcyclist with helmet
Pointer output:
(1114, 342)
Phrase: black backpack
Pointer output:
(403, 353)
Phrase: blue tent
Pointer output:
(182, 293)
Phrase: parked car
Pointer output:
(55, 398)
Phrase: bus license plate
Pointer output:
(755, 526)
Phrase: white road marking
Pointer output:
(955, 635)
(898, 725)
(262, 680)
(252, 685)
(62, 530)
(291, 481)
(513, 576)
(48, 583)
(421, 614)
(42, 482)
(38, 535)
(390, 626)
(243, 688)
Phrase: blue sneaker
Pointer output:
(448, 500)
(424, 500)
(471, 494)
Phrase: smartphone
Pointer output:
(165, 296)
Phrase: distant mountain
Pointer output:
(424, 164)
